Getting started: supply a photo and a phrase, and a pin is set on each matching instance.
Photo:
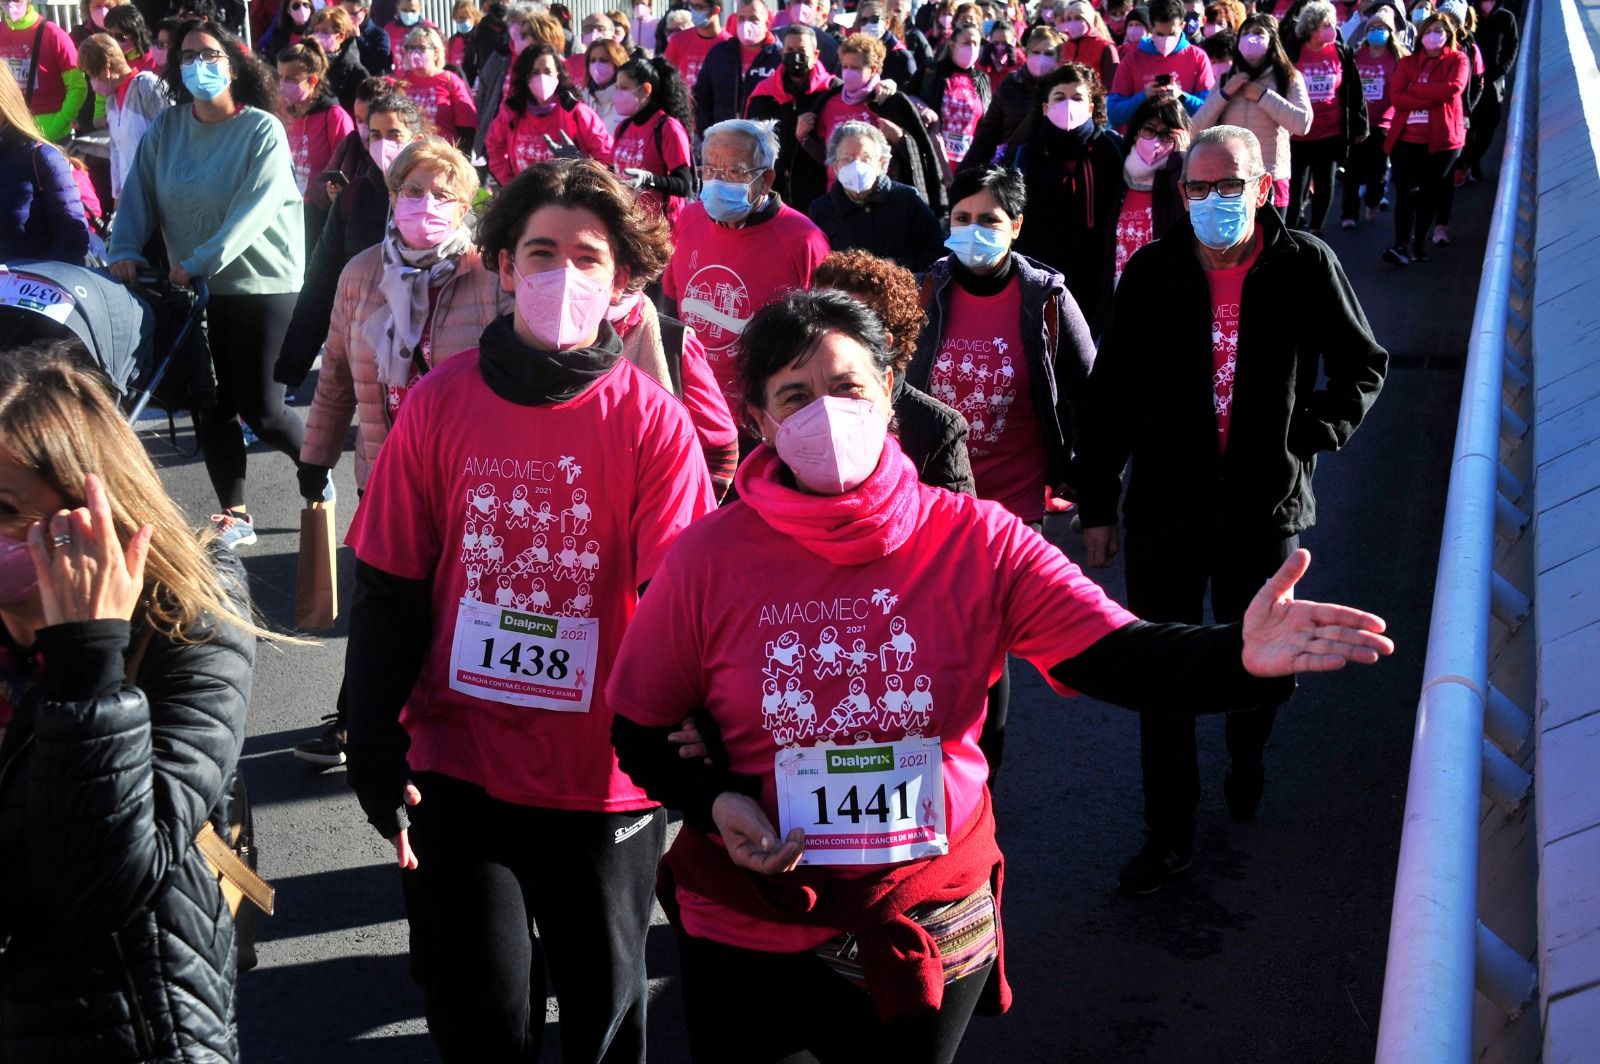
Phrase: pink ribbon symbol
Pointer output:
(929, 817)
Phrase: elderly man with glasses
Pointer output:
(739, 245)
(1208, 380)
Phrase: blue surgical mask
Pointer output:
(205, 80)
(408, 18)
(726, 201)
(698, 17)
(1377, 38)
(977, 247)
(988, 27)
(463, 27)
(1221, 223)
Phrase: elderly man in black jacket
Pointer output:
(1208, 380)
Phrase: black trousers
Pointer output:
(246, 334)
(748, 1007)
(1420, 179)
(1368, 166)
(1167, 581)
(1313, 166)
(1485, 123)
(992, 739)
(489, 874)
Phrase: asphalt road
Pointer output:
(1271, 949)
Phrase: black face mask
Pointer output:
(795, 66)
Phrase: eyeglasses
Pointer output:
(415, 192)
(209, 56)
(1227, 187)
(737, 176)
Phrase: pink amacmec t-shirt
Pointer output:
(772, 644)
(557, 510)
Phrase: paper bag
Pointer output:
(316, 592)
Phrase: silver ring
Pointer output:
(61, 539)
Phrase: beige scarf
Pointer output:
(636, 322)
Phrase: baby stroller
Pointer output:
(144, 337)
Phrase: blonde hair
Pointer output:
(337, 19)
(59, 420)
(14, 108)
(438, 154)
(465, 11)
(100, 56)
(540, 28)
(426, 37)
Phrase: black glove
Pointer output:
(286, 373)
(313, 482)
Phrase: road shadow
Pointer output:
(282, 1020)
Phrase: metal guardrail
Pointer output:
(1439, 951)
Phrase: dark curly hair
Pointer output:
(890, 291)
(254, 83)
(521, 98)
(788, 330)
(640, 239)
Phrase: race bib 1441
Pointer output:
(524, 659)
(864, 804)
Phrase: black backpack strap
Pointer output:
(33, 63)
(673, 333)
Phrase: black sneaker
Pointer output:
(1397, 255)
(326, 750)
(1419, 251)
(1157, 862)
(1241, 788)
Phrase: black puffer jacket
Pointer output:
(115, 943)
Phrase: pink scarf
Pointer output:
(860, 526)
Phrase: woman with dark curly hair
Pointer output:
(527, 492)
(543, 118)
(1073, 166)
(932, 435)
(215, 175)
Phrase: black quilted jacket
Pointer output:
(115, 943)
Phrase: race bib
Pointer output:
(524, 659)
(36, 294)
(956, 146)
(1320, 87)
(867, 804)
(1372, 88)
(1417, 118)
(19, 69)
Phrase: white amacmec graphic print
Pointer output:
(978, 378)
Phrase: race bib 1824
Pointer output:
(524, 659)
(866, 804)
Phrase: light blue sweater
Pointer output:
(224, 198)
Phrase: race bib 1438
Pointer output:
(524, 659)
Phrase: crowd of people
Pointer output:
(872, 294)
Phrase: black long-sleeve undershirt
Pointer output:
(1145, 667)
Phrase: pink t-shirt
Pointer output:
(444, 100)
(785, 647)
(1323, 73)
(1227, 289)
(686, 51)
(636, 148)
(720, 277)
(1136, 225)
(1376, 70)
(1190, 68)
(982, 370)
(515, 142)
(959, 113)
(561, 510)
(835, 113)
(313, 138)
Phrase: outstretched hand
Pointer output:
(1283, 635)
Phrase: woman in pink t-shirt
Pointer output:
(844, 663)
(528, 490)
(317, 125)
(652, 153)
(1338, 113)
(1380, 53)
(441, 93)
(542, 118)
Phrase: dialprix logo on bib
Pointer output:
(528, 624)
(871, 759)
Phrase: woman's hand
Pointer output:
(179, 276)
(690, 743)
(84, 573)
(751, 839)
(1236, 84)
(1283, 636)
(126, 271)
(1253, 92)
(402, 841)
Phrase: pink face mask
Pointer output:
(1075, 27)
(803, 15)
(158, 56)
(833, 444)
(1134, 33)
(425, 222)
(329, 42)
(856, 81)
(384, 152)
(1040, 65)
(1210, 29)
(561, 308)
(18, 578)
(1433, 41)
(294, 92)
(417, 59)
(15, 10)
(626, 104)
(751, 33)
(543, 86)
(601, 73)
(1152, 151)
(965, 55)
(1166, 43)
(1326, 36)
(1252, 46)
(1069, 114)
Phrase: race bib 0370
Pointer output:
(524, 659)
(864, 804)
